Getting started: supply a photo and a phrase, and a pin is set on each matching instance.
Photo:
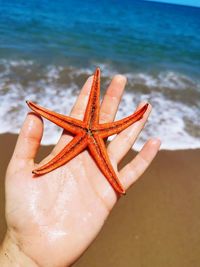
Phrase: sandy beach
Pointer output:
(156, 224)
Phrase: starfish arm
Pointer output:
(77, 145)
(99, 153)
(92, 110)
(70, 124)
(108, 129)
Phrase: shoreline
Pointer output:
(156, 224)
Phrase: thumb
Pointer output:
(29, 139)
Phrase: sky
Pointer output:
(181, 2)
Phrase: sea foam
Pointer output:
(174, 119)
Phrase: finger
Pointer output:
(132, 171)
(121, 144)
(79, 107)
(29, 138)
(76, 112)
(112, 99)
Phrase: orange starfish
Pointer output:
(88, 134)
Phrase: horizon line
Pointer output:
(171, 3)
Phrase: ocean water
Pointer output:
(48, 49)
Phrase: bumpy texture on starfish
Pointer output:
(88, 134)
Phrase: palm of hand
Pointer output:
(63, 211)
(60, 213)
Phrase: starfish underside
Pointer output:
(87, 134)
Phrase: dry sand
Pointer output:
(157, 224)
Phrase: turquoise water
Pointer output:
(127, 34)
(48, 46)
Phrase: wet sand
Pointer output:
(157, 224)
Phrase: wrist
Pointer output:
(12, 256)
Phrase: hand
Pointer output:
(53, 219)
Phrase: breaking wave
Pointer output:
(174, 96)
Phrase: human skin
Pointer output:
(53, 219)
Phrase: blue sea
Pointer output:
(49, 48)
